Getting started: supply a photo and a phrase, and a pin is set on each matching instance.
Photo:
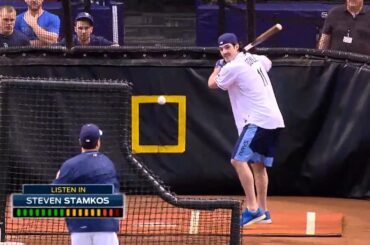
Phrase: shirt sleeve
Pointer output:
(328, 28)
(227, 76)
(64, 175)
(54, 25)
(21, 38)
(105, 42)
(266, 62)
(26, 42)
(111, 174)
(116, 184)
(17, 25)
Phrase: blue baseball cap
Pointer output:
(89, 135)
(85, 16)
(227, 38)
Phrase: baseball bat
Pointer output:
(264, 36)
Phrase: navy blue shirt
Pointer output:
(94, 41)
(89, 168)
(17, 38)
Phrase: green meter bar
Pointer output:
(68, 212)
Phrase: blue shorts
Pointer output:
(256, 144)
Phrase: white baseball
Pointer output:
(161, 100)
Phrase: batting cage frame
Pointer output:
(51, 106)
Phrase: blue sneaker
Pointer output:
(249, 217)
(266, 220)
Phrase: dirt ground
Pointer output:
(356, 225)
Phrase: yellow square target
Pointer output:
(135, 124)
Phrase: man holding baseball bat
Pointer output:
(257, 117)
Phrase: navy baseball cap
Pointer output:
(85, 16)
(227, 38)
(89, 135)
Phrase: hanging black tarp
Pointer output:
(325, 102)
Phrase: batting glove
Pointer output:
(220, 63)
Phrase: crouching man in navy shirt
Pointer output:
(8, 36)
(84, 26)
(90, 167)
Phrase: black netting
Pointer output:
(39, 124)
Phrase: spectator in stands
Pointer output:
(8, 36)
(39, 25)
(347, 28)
(84, 26)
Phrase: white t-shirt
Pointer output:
(251, 95)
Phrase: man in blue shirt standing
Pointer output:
(8, 36)
(90, 167)
(84, 26)
(39, 25)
